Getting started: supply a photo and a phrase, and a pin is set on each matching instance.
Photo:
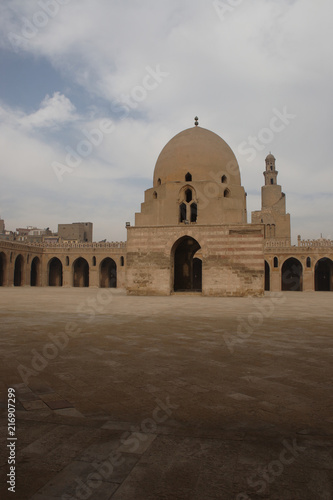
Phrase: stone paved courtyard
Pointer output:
(181, 397)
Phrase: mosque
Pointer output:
(190, 236)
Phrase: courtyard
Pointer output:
(180, 397)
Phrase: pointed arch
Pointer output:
(188, 195)
(292, 275)
(55, 272)
(182, 212)
(267, 277)
(194, 212)
(19, 271)
(80, 273)
(324, 275)
(35, 272)
(108, 273)
(187, 271)
(188, 177)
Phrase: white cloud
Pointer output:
(265, 54)
(54, 111)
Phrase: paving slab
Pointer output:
(180, 397)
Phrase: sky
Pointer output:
(91, 91)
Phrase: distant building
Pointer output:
(32, 234)
(77, 232)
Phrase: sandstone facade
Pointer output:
(191, 236)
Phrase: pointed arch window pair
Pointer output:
(188, 209)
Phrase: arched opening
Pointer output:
(94, 261)
(81, 273)
(108, 273)
(267, 277)
(182, 212)
(276, 262)
(122, 261)
(323, 275)
(158, 182)
(224, 179)
(194, 212)
(187, 269)
(226, 193)
(18, 271)
(67, 261)
(188, 177)
(55, 272)
(308, 262)
(3, 268)
(35, 272)
(292, 275)
(155, 195)
(188, 195)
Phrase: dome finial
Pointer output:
(196, 123)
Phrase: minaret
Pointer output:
(273, 205)
(271, 192)
(270, 174)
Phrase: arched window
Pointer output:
(267, 277)
(94, 261)
(122, 261)
(308, 262)
(188, 177)
(188, 195)
(272, 181)
(226, 193)
(276, 262)
(154, 195)
(159, 182)
(182, 212)
(67, 261)
(194, 212)
(224, 179)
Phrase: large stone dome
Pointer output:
(200, 152)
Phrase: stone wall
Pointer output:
(232, 259)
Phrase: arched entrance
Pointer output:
(18, 271)
(55, 272)
(292, 275)
(267, 277)
(323, 275)
(3, 268)
(35, 272)
(81, 273)
(108, 273)
(187, 269)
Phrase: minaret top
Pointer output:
(271, 173)
(196, 121)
